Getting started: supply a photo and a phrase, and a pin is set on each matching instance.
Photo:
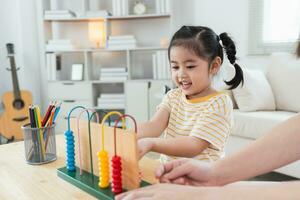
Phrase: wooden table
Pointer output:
(19, 180)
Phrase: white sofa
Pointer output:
(263, 104)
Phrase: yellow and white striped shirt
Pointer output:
(209, 118)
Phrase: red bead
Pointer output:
(116, 174)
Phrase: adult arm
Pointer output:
(274, 191)
(277, 148)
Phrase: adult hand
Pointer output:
(144, 146)
(162, 191)
(187, 172)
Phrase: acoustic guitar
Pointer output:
(15, 103)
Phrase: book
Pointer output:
(168, 6)
(111, 100)
(124, 7)
(57, 47)
(121, 47)
(60, 12)
(158, 6)
(121, 37)
(115, 69)
(113, 79)
(154, 66)
(113, 74)
(57, 17)
(51, 63)
(121, 42)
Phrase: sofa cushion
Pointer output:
(255, 124)
(256, 93)
(283, 74)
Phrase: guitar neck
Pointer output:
(15, 82)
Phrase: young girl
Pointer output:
(197, 119)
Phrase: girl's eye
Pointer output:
(175, 67)
(191, 66)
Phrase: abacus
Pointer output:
(99, 143)
(117, 160)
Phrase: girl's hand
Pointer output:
(163, 191)
(187, 172)
(144, 146)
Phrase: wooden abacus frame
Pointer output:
(126, 148)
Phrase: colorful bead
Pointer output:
(116, 174)
(70, 150)
(103, 169)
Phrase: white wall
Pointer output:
(18, 26)
(9, 24)
(230, 16)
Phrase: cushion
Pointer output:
(256, 93)
(255, 124)
(283, 74)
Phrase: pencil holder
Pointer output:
(40, 144)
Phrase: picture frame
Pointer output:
(77, 72)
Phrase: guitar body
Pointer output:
(16, 104)
(13, 116)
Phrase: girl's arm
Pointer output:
(155, 126)
(279, 147)
(182, 147)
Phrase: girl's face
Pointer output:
(191, 73)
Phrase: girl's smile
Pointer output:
(190, 72)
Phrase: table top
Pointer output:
(19, 180)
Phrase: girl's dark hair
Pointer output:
(298, 49)
(205, 43)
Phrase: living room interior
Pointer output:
(112, 55)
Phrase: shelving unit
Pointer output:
(148, 29)
(126, 17)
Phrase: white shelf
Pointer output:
(137, 60)
(67, 51)
(138, 16)
(148, 48)
(99, 81)
(85, 81)
(74, 19)
(125, 17)
(108, 49)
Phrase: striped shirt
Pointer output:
(209, 118)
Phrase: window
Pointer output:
(274, 25)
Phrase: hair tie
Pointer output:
(221, 43)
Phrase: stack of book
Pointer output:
(161, 66)
(111, 101)
(113, 74)
(59, 14)
(60, 45)
(122, 42)
(119, 7)
(163, 6)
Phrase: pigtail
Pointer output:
(298, 49)
(227, 43)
